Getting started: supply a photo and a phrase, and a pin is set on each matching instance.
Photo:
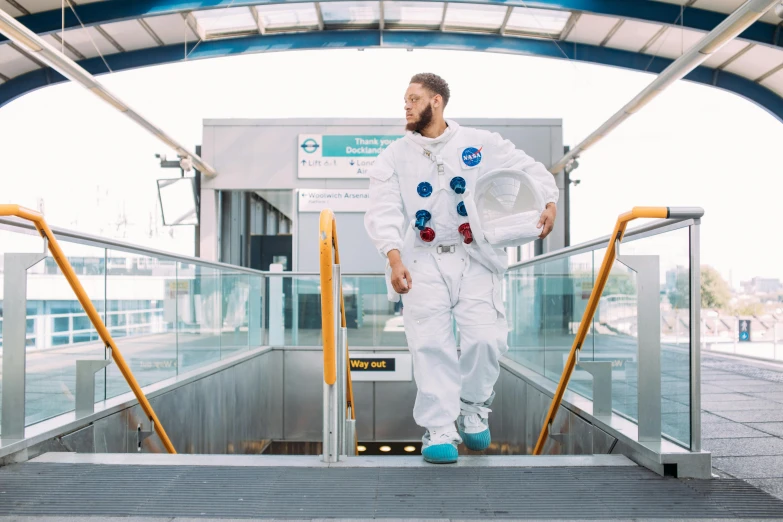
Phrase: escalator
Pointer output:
(284, 432)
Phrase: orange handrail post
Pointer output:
(65, 266)
(595, 296)
(329, 253)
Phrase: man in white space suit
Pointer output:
(418, 221)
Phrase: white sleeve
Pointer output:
(505, 155)
(385, 219)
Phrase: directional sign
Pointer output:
(339, 156)
(744, 330)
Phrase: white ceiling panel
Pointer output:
(488, 17)
(51, 40)
(756, 62)
(592, 29)
(130, 35)
(8, 8)
(674, 42)
(775, 82)
(275, 17)
(413, 14)
(678, 2)
(721, 6)
(729, 6)
(350, 13)
(172, 29)
(14, 63)
(82, 40)
(37, 6)
(217, 22)
(633, 35)
(548, 22)
(726, 52)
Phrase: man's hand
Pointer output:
(401, 279)
(547, 219)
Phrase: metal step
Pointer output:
(381, 487)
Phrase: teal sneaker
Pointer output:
(474, 431)
(439, 445)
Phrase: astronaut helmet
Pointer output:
(509, 204)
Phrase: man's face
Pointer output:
(418, 108)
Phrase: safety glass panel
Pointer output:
(280, 17)
(487, 17)
(350, 13)
(231, 20)
(413, 14)
(547, 22)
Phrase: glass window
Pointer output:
(281, 17)
(482, 17)
(350, 13)
(231, 20)
(525, 20)
(413, 14)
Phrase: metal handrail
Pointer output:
(100, 242)
(43, 229)
(329, 253)
(595, 296)
(660, 226)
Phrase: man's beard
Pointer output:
(425, 118)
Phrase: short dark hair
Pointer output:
(434, 83)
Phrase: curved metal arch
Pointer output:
(743, 87)
(644, 10)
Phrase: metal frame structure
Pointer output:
(643, 10)
(94, 14)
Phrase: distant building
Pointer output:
(762, 285)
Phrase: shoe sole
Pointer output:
(476, 441)
(440, 454)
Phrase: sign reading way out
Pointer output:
(382, 367)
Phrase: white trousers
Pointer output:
(446, 284)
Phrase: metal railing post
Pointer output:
(341, 392)
(15, 342)
(695, 324)
(331, 434)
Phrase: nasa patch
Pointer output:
(471, 157)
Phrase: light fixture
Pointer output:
(410, 449)
(779, 10)
(48, 55)
(18, 35)
(385, 449)
(730, 32)
(361, 448)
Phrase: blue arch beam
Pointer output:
(644, 10)
(739, 85)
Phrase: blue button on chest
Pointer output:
(458, 184)
(424, 189)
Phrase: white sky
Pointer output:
(693, 146)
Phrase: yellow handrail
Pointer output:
(592, 305)
(327, 239)
(40, 224)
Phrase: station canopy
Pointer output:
(106, 36)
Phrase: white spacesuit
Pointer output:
(416, 188)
